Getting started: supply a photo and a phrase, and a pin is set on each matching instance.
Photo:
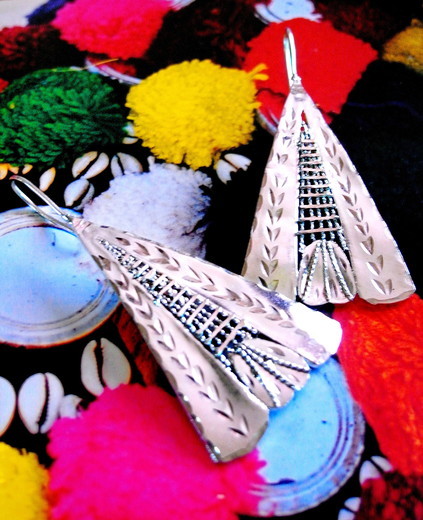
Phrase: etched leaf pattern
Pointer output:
(374, 265)
(201, 391)
(203, 282)
(266, 250)
(375, 258)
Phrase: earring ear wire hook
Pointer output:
(290, 57)
(66, 221)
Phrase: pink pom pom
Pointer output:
(120, 29)
(134, 455)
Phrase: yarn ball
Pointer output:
(24, 49)
(147, 463)
(218, 31)
(370, 20)
(407, 47)
(23, 489)
(3, 84)
(192, 111)
(57, 113)
(391, 497)
(382, 356)
(45, 13)
(321, 56)
(119, 29)
(166, 205)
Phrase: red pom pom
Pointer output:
(373, 22)
(119, 29)
(391, 497)
(25, 49)
(382, 356)
(329, 63)
(3, 84)
(134, 455)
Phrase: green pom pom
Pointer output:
(56, 115)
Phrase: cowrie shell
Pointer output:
(81, 163)
(346, 515)
(374, 468)
(7, 404)
(70, 406)
(382, 463)
(240, 162)
(230, 163)
(123, 163)
(4, 170)
(103, 365)
(351, 506)
(130, 138)
(39, 399)
(47, 178)
(80, 191)
(98, 166)
(14, 169)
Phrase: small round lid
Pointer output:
(51, 290)
(312, 446)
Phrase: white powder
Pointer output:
(164, 205)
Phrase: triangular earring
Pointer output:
(230, 349)
(317, 234)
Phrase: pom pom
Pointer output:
(407, 47)
(192, 111)
(3, 84)
(119, 29)
(391, 497)
(370, 20)
(57, 113)
(381, 354)
(218, 31)
(165, 205)
(23, 485)
(321, 50)
(144, 464)
(25, 49)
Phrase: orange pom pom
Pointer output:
(382, 356)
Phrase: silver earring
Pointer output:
(317, 234)
(230, 349)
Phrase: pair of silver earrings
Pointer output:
(231, 346)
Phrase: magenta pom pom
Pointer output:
(134, 455)
(119, 29)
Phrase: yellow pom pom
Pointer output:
(407, 47)
(191, 112)
(256, 73)
(23, 484)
